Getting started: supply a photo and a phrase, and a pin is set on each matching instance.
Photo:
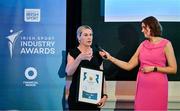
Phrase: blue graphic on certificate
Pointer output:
(90, 87)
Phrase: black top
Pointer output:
(94, 63)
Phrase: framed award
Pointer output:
(90, 87)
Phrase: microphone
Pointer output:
(99, 48)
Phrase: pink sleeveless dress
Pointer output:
(152, 88)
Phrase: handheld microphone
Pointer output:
(100, 49)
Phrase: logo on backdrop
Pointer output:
(31, 45)
(37, 45)
(32, 15)
(30, 74)
(12, 40)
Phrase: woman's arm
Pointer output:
(171, 60)
(101, 103)
(125, 65)
(171, 68)
(72, 64)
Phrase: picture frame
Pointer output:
(90, 86)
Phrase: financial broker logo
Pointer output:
(30, 73)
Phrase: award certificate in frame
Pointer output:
(90, 87)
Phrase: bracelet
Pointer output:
(105, 95)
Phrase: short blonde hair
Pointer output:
(80, 28)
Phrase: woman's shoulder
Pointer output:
(161, 43)
(165, 40)
(74, 52)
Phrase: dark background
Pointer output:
(120, 39)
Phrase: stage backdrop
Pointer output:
(32, 50)
(121, 36)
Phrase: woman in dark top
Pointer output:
(83, 56)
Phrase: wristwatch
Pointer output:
(155, 69)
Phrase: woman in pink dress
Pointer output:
(156, 58)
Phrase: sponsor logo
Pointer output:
(32, 15)
(30, 74)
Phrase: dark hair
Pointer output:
(154, 25)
